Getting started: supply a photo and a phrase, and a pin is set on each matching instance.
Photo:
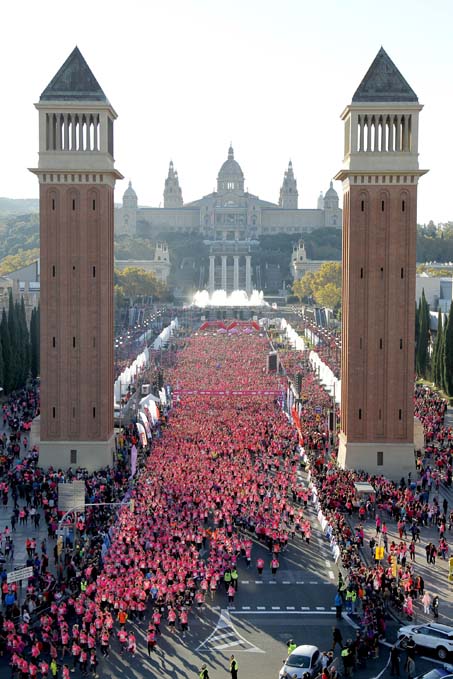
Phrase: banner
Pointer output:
(226, 392)
(133, 460)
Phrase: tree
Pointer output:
(436, 363)
(1, 366)
(448, 354)
(135, 282)
(324, 286)
(303, 287)
(15, 357)
(423, 336)
(24, 341)
(18, 260)
(6, 353)
(34, 343)
(329, 296)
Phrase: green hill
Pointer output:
(15, 206)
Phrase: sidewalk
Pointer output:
(434, 576)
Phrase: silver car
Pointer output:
(303, 659)
(434, 636)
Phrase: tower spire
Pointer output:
(289, 194)
(172, 190)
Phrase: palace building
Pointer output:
(230, 220)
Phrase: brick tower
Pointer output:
(77, 176)
(380, 175)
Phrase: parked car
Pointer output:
(445, 672)
(436, 637)
(303, 659)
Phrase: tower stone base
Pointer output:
(91, 455)
(397, 459)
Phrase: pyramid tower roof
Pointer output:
(384, 83)
(74, 81)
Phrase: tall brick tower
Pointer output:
(77, 175)
(380, 176)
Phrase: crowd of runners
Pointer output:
(222, 478)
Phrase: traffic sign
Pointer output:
(71, 496)
(21, 574)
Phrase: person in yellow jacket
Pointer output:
(203, 673)
(291, 646)
(234, 667)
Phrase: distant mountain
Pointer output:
(18, 206)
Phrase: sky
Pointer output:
(187, 77)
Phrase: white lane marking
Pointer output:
(275, 608)
(258, 582)
(328, 564)
(284, 612)
(320, 608)
(261, 608)
(272, 582)
(313, 582)
(300, 582)
(226, 632)
(245, 582)
(245, 608)
(290, 608)
(286, 582)
(331, 575)
(305, 608)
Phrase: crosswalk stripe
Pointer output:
(225, 635)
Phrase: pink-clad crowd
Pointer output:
(223, 474)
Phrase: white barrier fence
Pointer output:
(325, 525)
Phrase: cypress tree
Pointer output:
(416, 333)
(6, 353)
(1, 367)
(24, 339)
(448, 353)
(34, 344)
(15, 343)
(38, 339)
(437, 353)
(423, 336)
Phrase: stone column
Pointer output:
(224, 272)
(236, 273)
(211, 274)
(248, 274)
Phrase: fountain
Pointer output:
(220, 298)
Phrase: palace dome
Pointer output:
(230, 168)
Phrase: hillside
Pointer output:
(18, 232)
(16, 206)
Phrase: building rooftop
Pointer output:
(383, 82)
(74, 81)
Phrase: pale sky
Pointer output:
(186, 77)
